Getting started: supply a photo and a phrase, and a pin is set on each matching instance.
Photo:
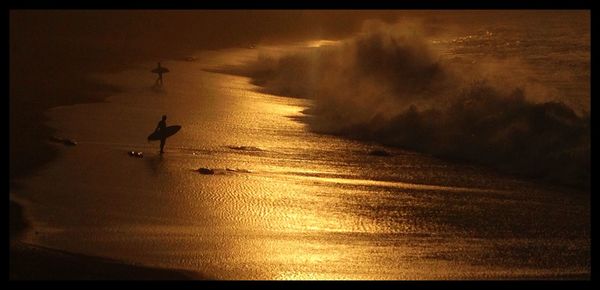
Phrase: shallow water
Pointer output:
(284, 203)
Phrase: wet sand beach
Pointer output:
(31, 262)
(31, 96)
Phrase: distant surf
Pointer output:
(391, 85)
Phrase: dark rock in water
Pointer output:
(379, 153)
(131, 153)
(139, 155)
(65, 141)
(70, 142)
(206, 171)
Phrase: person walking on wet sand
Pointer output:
(160, 71)
(162, 125)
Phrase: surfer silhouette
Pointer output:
(159, 70)
(162, 124)
(162, 132)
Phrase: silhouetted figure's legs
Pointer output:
(159, 80)
(162, 145)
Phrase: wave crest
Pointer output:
(390, 85)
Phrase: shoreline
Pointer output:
(33, 262)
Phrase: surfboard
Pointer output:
(167, 132)
(160, 70)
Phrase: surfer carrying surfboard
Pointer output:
(160, 71)
(162, 132)
(162, 125)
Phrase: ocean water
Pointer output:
(284, 203)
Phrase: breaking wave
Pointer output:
(390, 84)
